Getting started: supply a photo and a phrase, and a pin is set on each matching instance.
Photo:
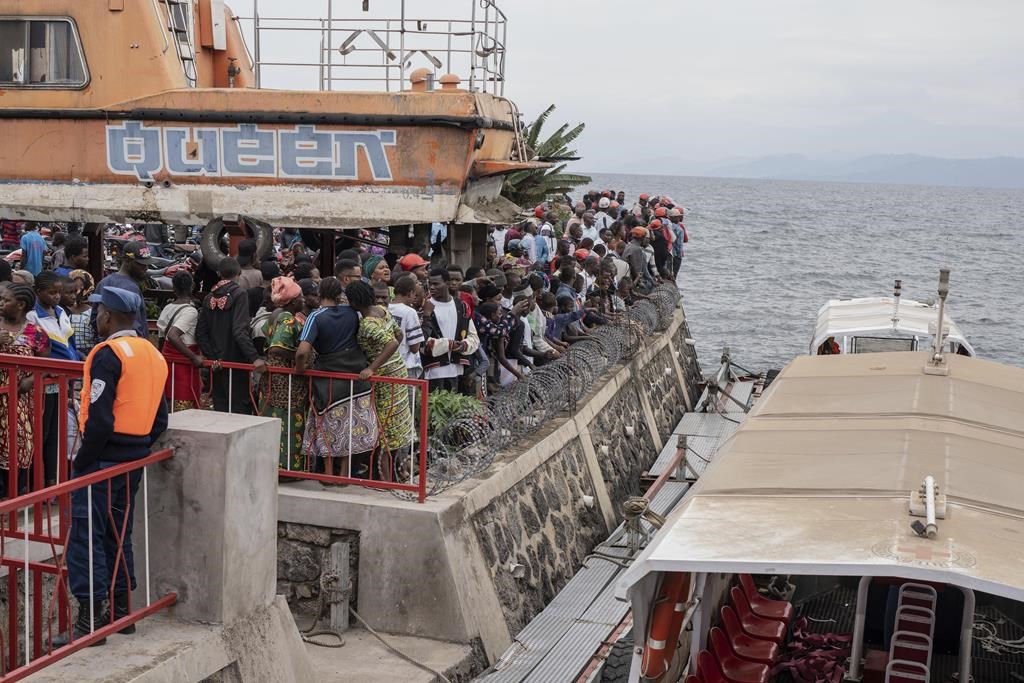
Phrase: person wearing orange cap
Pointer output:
(635, 255)
(415, 264)
(283, 329)
(641, 205)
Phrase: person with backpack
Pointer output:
(176, 328)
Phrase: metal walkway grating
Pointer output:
(704, 433)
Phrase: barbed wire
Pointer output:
(469, 442)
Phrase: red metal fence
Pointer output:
(395, 460)
(34, 534)
(39, 402)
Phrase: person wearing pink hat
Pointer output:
(283, 329)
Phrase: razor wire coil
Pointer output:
(468, 443)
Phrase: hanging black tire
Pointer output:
(213, 234)
(620, 659)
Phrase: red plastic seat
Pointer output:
(735, 669)
(708, 668)
(693, 679)
(745, 646)
(765, 607)
(753, 625)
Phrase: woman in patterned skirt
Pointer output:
(379, 339)
(285, 398)
(18, 337)
(342, 430)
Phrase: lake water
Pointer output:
(764, 255)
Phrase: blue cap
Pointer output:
(117, 299)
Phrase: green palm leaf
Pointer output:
(531, 187)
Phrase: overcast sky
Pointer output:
(719, 79)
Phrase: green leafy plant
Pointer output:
(533, 186)
(444, 406)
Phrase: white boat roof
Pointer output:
(873, 316)
(818, 478)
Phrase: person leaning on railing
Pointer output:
(123, 412)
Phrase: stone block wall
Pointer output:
(625, 422)
(660, 382)
(687, 357)
(302, 558)
(543, 524)
(623, 443)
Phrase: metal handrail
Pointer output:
(485, 55)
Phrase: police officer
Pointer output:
(122, 413)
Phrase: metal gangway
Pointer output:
(377, 50)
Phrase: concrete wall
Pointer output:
(213, 539)
(443, 569)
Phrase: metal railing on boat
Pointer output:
(379, 51)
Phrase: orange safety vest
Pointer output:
(139, 390)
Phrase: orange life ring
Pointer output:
(665, 624)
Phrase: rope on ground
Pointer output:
(396, 650)
(311, 633)
(986, 635)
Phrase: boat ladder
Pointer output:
(179, 13)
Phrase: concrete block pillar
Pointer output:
(213, 515)
(467, 243)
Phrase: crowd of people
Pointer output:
(546, 282)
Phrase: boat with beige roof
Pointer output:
(864, 523)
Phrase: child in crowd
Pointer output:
(559, 313)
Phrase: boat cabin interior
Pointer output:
(874, 629)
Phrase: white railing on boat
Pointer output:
(330, 52)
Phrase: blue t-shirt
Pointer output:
(33, 246)
(331, 329)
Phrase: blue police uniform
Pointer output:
(123, 412)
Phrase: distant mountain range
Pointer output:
(905, 169)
